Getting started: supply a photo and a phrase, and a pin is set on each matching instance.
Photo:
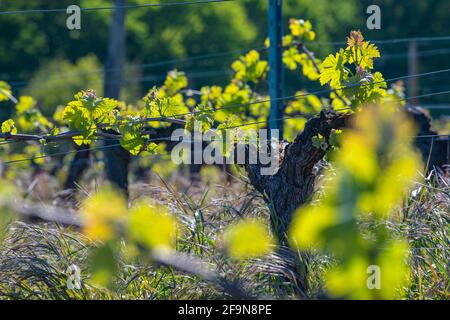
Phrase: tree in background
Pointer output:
(165, 33)
(154, 34)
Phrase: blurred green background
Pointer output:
(39, 56)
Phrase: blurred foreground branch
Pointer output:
(179, 261)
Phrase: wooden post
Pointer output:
(117, 159)
(116, 52)
(276, 74)
(413, 68)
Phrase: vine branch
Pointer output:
(68, 135)
(180, 261)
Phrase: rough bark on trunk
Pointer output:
(116, 158)
(293, 184)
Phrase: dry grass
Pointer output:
(34, 258)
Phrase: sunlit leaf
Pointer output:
(8, 126)
(103, 265)
(248, 239)
(102, 214)
(152, 226)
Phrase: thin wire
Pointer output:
(430, 95)
(131, 6)
(17, 84)
(303, 95)
(341, 109)
(83, 150)
(431, 136)
(61, 154)
(417, 39)
(436, 107)
(232, 127)
(326, 91)
(387, 41)
(314, 93)
(425, 53)
(194, 75)
(149, 78)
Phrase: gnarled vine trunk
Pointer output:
(293, 184)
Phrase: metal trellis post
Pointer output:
(276, 75)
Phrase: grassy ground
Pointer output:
(34, 258)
